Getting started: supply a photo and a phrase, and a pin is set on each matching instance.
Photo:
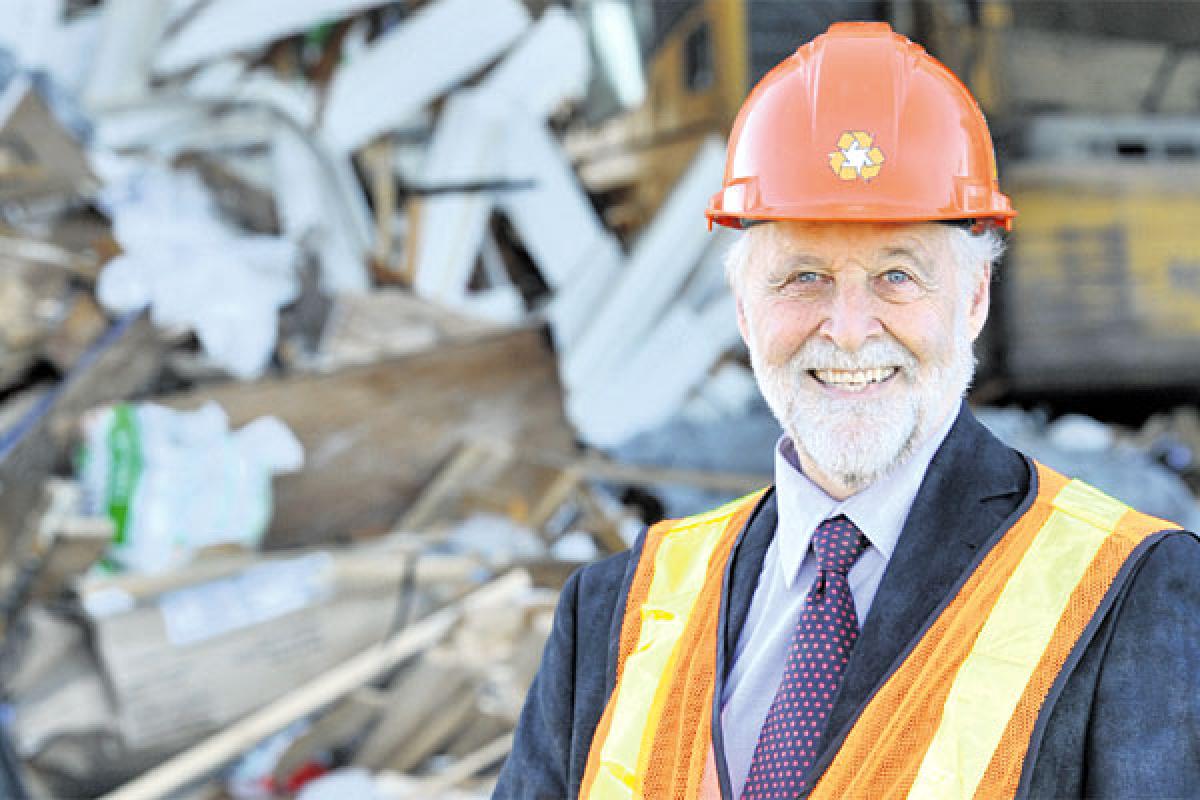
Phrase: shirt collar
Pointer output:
(879, 510)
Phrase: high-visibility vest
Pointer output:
(953, 721)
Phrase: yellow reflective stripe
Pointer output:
(1090, 505)
(993, 677)
(680, 569)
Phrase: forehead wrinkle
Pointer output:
(929, 249)
(768, 252)
(788, 244)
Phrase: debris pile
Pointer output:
(324, 359)
(312, 335)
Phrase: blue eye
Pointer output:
(896, 276)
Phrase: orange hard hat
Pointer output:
(860, 124)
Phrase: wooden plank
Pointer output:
(468, 145)
(230, 26)
(674, 358)
(599, 468)
(467, 766)
(454, 715)
(548, 67)
(435, 48)
(667, 252)
(365, 568)
(463, 469)
(562, 248)
(414, 699)
(374, 435)
(210, 755)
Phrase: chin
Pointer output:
(856, 446)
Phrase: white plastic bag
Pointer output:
(176, 481)
(195, 272)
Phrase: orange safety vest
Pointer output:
(953, 721)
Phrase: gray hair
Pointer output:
(974, 251)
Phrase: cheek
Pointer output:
(928, 332)
(780, 328)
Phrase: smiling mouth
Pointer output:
(853, 380)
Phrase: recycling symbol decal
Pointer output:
(856, 157)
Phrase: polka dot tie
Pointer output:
(825, 632)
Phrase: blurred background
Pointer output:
(334, 334)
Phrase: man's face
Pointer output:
(860, 336)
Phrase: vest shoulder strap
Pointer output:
(667, 656)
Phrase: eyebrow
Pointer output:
(789, 263)
(914, 257)
(901, 251)
(801, 260)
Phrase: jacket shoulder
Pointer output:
(1128, 720)
(568, 694)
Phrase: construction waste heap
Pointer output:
(327, 352)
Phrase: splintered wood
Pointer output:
(197, 763)
(375, 434)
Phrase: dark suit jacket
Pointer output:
(1125, 715)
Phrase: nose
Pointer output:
(851, 319)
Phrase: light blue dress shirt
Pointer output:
(789, 568)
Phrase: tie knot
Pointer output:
(838, 543)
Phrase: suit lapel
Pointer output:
(744, 571)
(741, 577)
(973, 485)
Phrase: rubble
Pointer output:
(1101, 455)
(400, 352)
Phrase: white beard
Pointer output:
(858, 441)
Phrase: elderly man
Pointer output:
(914, 609)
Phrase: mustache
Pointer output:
(877, 353)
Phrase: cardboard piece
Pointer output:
(62, 713)
(199, 657)
(41, 164)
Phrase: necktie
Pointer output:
(825, 632)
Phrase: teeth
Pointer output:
(853, 378)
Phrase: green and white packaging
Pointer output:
(177, 481)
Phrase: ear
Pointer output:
(981, 298)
